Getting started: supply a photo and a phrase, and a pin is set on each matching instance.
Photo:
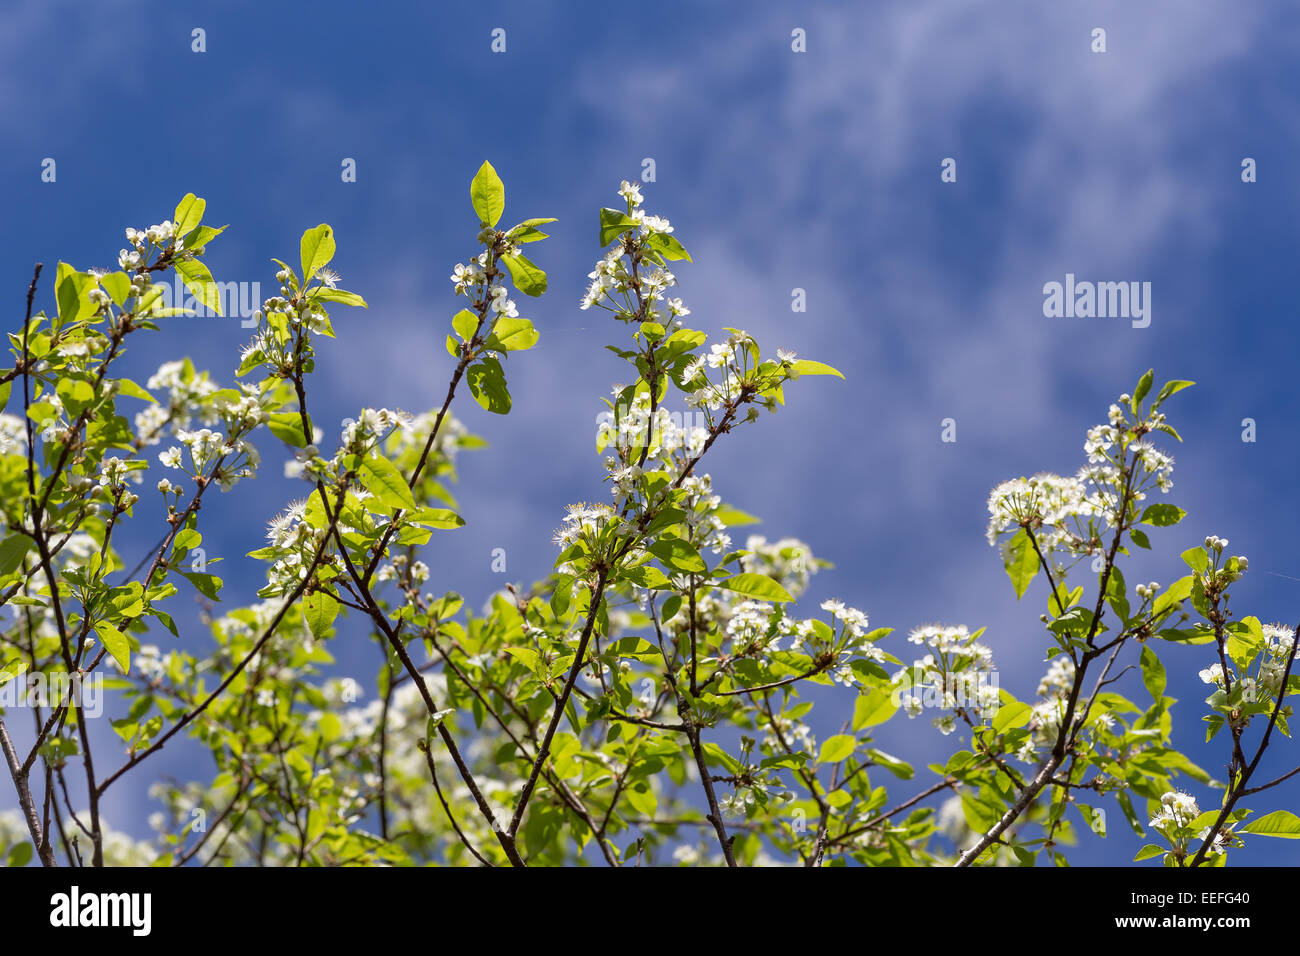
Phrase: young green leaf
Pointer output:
(1171, 387)
(513, 335)
(1010, 716)
(1153, 673)
(1279, 823)
(678, 555)
(325, 294)
(382, 479)
(809, 367)
(487, 382)
(527, 277)
(837, 748)
(613, 223)
(316, 250)
(12, 551)
(487, 195)
(116, 644)
(1021, 562)
(1143, 387)
(199, 281)
(1162, 515)
(319, 610)
(189, 213)
(757, 586)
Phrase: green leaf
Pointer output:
(678, 554)
(642, 799)
(1021, 562)
(202, 236)
(1148, 852)
(316, 250)
(20, 854)
(72, 288)
(513, 335)
(1117, 593)
(1179, 591)
(1011, 716)
(287, 426)
(526, 656)
(734, 517)
(809, 367)
(1143, 387)
(76, 394)
(899, 768)
(487, 195)
(487, 382)
(130, 389)
(1126, 804)
(11, 669)
(319, 610)
(12, 551)
(199, 281)
(1153, 673)
(527, 230)
(716, 755)
(613, 223)
(1245, 640)
(873, 707)
(385, 482)
(757, 586)
(116, 643)
(834, 749)
(668, 246)
(465, 323)
(1170, 388)
(325, 294)
(117, 285)
(438, 518)
(1095, 818)
(1162, 515)
(1279, 823)
(209, 585)
(1140, 538)
(189, 213)
(528, 278)
(1197, 559)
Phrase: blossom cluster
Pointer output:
(1061, 511)
(615, 284)
(661, 432)
(161, 237)
(188, 391)
(956, 676)
(13, 435)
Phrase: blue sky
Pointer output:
(779, 170)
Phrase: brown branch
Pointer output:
(1238, 789)
(22, 784)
